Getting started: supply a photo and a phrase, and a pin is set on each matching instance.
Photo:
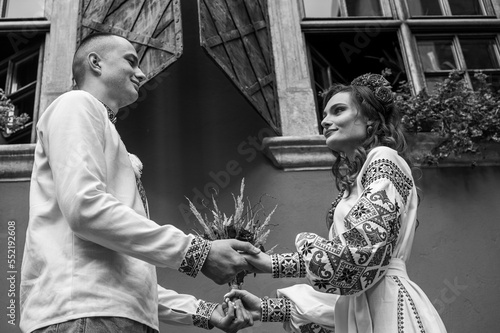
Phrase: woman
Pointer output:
(358, 280)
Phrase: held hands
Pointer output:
(231, 316)
(224, 260)
(249, 301)
(260, 263)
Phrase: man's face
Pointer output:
(121, 72)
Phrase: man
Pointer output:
(91, 250)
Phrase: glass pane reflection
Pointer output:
(424, 7)
(436, 55)
(479, 53)
(25, 72)
(24, 8)
(465, 7)
(433, 81)
(322, 8)
(363, 8)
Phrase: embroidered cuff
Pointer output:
(288, 265)
(195, 256)
(275, 310)
(202, 317)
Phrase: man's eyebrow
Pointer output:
(133, 56)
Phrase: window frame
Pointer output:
(409, 27)
(486, 7)
(20, 27)
(385, 7)
(458, 55)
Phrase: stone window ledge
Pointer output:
(16, 162)
(297, 153)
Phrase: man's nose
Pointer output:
(140, 75)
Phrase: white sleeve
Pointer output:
(310, 309)
(182, 309)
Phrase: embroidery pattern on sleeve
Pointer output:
(195, 256)
(276, 310)
(288, 265)
(384, 168)
(203, 314)
(314, 328)
(352, 261)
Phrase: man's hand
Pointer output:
(224, 260)
(249, 301)
(234, 318)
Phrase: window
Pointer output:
(418, 41)
(22, 8)
(449, 7)
(20, 73)
(439, 56)
(346, 8)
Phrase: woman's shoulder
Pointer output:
(385, 153)
(385, 158)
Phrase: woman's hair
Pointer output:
(384, 129)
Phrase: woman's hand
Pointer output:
(235, 317)
(249, 301)
(261, 262)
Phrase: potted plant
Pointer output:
(460, 119)
(9, 122)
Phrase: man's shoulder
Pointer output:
(75, 101)
(75, 96)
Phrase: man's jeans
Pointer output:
(98, 325)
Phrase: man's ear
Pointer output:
(94, 62)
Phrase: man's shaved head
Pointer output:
(99, 42)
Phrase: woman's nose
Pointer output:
(326, 123)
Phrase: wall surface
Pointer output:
(13, 223)
(194, 131)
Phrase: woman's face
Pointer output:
(343, 125)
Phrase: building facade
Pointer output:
(232, 93)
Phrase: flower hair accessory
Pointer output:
(378, 84)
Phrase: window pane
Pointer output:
(363, 8)
(465, 7)
(493, 79)
(3, 78)
(340, 57)
(431, 82)
(25, 72)
(25, 103)
(424, 7)
(479, 53)
(436, 55)
(322, 8)
(24, 8)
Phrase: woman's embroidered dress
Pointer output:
(358, 279)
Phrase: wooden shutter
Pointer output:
(153, 27)
(235, 33)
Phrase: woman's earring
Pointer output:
(369, 129)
